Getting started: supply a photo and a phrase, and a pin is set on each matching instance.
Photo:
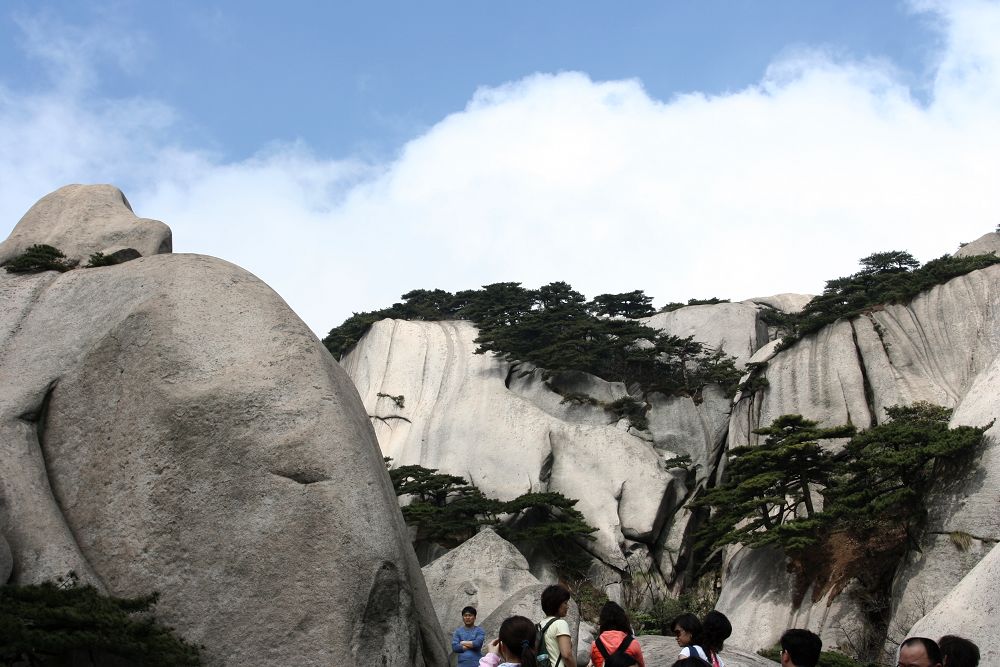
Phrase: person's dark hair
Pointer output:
(930, 646)
(691, 661)
(517, 633)
(690, 623)
(613, 617)
(552, 599)
(803, 647)
(958, 652)
(715, 629)
(469, 610)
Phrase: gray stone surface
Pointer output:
(461, 417)
(787, 302)
(756, 597)
(985, 244)
(81, 220)
(482, 572)
(733, 327)
(659, 651)
(6, 561)
(970, 610)
(169, 424)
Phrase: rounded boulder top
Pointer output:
(81, 220)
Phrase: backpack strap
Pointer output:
(540, 647)
(624, 645)
(603, 649)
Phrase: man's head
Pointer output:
(800, 648)
(469, 616)
(919, 652)
(958, 652)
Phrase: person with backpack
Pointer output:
(555, 646)
(514, 646)
(615, 645)
(687, 630)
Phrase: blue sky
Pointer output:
(349, 152)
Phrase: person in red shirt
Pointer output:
(613, 628)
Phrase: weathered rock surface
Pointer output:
(985, 244)
(482, 572)
(732, 327)
(787, 302)
(942, 347)
(81, 220)
(757, 600)
(6, 561)
(459, 416)
(971, 610)
(169, 424)
(659, 650)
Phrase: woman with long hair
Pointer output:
(514, 646)
(614, 630)
(687, 630)
(715, 629)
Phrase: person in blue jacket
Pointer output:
(468, 639)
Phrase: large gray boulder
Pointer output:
(734, 328)
(169, 424)
(482, 572)
(81, 220)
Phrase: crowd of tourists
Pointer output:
(700, 641)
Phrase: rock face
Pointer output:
(84, 219)
(169, 424)
(482, 572)
(970, 610)
(942, 347)
(6, 561)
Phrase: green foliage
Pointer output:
(880, 481)
(630, 304)
(399, 400)
(52, 621)
(38, 258)
(447, 509)
(676, 305)
(885, 277)
(100, 259)
(444, 508)
(891, 467)
(768, 497)
(655, 620)
(555, 328)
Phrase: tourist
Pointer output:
(800, 648)
(919, 652)
(614, 629)
(515, 645)
(715, 629)
(687, 630)
(958, 652)
(467, 640)
(555, 638)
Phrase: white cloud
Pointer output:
(773, 188)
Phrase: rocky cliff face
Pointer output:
(509, 432)
(169, 424)
(943, 348)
